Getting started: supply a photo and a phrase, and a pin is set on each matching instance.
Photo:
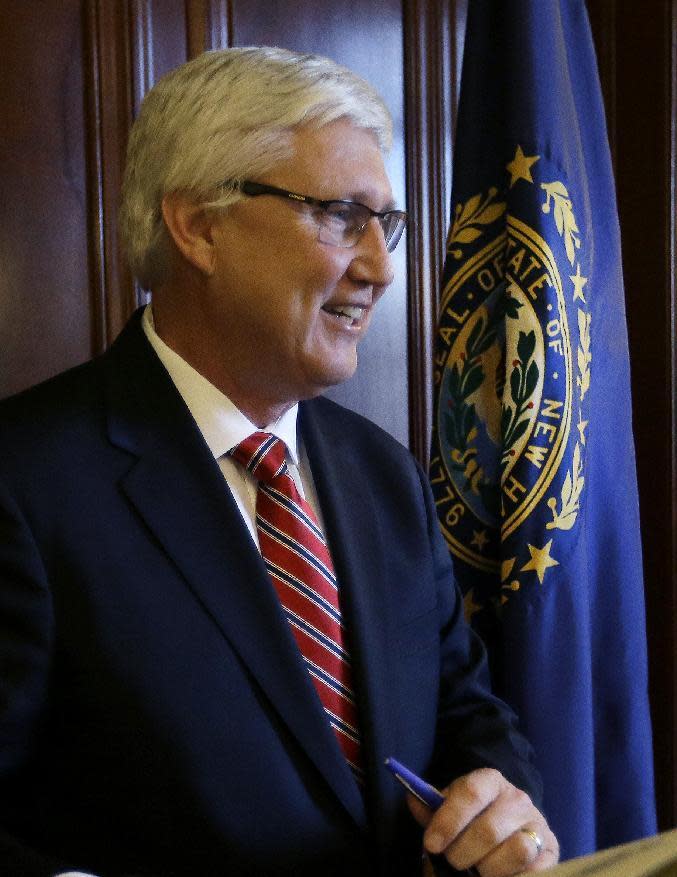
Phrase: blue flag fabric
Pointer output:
(533, 460)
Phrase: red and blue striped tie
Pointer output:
(298, 560)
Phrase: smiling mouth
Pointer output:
(349, 314)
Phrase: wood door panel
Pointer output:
(45, 322)
(637, 60)
(159, 42)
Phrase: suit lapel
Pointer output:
(351, 520)
(178, 489)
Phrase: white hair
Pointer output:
(228, 115)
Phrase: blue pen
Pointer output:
(422, 790)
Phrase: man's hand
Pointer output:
(489, 824)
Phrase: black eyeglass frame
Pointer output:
(248, 187)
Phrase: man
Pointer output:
(167, 706)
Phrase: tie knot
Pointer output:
(262, 454)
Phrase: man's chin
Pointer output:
(325, 378)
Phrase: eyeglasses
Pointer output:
(341, 223)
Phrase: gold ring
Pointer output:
(537, 839)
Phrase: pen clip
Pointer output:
(410, 788)
(414, 784)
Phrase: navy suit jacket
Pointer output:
(155, 715)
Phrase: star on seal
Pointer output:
(540, 560)
(520, 167)
(479, 539)
(579, 282)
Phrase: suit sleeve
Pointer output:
(474, 728)
(26, 644)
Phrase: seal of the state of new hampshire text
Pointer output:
(512, 372)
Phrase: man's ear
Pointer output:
(190, 227)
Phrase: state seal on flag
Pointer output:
(512, 374)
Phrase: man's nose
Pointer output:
(371, 261)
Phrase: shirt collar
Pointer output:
(221, 423)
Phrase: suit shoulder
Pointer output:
(49, 407)
(365, 433)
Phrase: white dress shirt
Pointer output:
(223, 426)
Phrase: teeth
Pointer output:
(353, 312)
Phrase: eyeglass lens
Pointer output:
(343, 224)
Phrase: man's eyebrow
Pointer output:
(364, 197)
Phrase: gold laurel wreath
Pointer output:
(584, 355)
(570, 496)
(469, 217)
(574, 480)
(564, 215)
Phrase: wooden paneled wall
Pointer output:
(636, 47)
(46, 305)
(93, 63)
(74, 73)
(77, 72)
